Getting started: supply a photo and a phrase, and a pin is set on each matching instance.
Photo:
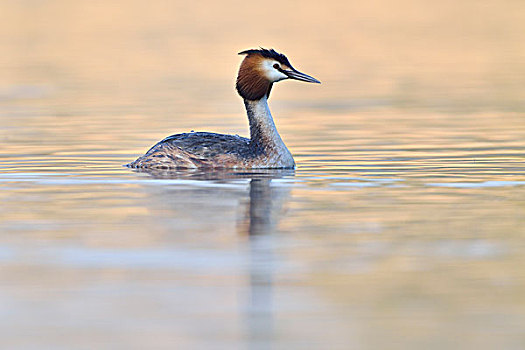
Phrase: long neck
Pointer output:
(263, 132)
(264, 138)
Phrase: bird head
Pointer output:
(261, 68)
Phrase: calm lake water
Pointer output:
(403, 226)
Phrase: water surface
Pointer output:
(402, 226)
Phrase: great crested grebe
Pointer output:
(264, 149)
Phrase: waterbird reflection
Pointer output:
(265, 208)
(258, 220)
(216, 174)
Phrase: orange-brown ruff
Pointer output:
(264, 149)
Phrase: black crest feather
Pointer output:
(271, 53)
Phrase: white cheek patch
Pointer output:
(271, 73)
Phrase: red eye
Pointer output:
(276, 66)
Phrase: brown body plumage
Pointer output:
(265, 148)
(210, 150)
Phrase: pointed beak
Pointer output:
(293, 74)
